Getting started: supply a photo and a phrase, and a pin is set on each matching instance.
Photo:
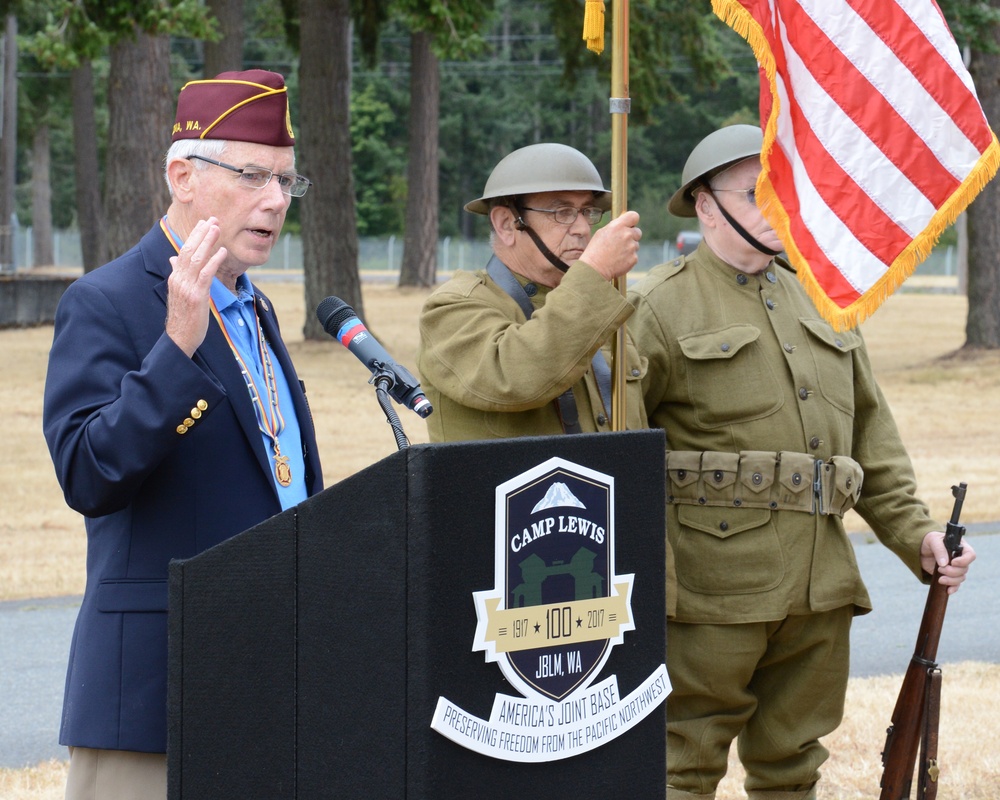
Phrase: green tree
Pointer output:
(440, 29)
(140, 93)
(8, 142)
(329, 226)
(379, 160)
(976, 26)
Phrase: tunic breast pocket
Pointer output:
(729, 379)
(832, 353)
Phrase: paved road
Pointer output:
(35, 636)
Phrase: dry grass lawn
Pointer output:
(947, 407)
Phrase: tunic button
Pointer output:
(757, 479)
(725, 348)
(804, 393)
(717, 475)
(681, 474)
(742, 279)
(601, 419)
(771, 277)
(789, 348)
(839, 343)
(769, 303)
(814, 442)
(848, 483)
(530, 289)
(702, 501)
(723, 526)
(796, 479)
(738, 502)
(635, 372)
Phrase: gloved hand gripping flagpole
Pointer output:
(593, 33)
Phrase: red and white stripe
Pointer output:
(874, 138)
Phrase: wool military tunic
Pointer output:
(490, 373)
(752, 387)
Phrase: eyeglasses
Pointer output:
(566, 215)
(751, 194)
(257, 177)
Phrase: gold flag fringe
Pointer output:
(743, 23)
(593, 25)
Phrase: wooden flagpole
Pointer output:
(593, 34)
(619, 186)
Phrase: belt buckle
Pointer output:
(818, 507)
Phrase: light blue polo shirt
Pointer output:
(237, 313)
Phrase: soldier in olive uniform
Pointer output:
(775, 427)
(514, 350)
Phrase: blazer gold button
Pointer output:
(202, 405)
(188, 423)
(181, 429)
(196, 412)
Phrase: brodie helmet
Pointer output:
(545, 167)
(713, 154)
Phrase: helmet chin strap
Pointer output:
(741, 230)
(521, 225)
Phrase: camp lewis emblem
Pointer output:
(555, 612)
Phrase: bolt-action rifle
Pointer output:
(916, 715)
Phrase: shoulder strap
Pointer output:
(504, 278)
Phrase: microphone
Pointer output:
(339, 320)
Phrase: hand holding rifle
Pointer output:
(915, 717)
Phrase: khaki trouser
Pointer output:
(775, 687)
(116, 775)
(808, 794)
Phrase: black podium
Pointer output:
(308, 654)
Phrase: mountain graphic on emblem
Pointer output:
(557, 495)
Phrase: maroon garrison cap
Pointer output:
(250, 106)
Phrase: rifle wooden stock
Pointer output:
(922, 681)
(902, 739)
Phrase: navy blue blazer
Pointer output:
(116, 396)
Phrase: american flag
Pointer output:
(874, 139)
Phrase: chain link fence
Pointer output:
(382, 256)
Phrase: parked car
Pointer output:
(687, 241)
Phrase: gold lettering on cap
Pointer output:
(193, 125)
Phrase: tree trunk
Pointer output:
(419, 267)
(962, 253)
(225, 55)
(41, 198)
(140, 115)
(329, 224)
(89, 214)
(8, 147)
(982, 328)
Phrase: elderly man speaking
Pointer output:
(173, 415)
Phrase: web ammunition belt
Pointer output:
(781, 481)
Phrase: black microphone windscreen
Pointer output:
(332, 312)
